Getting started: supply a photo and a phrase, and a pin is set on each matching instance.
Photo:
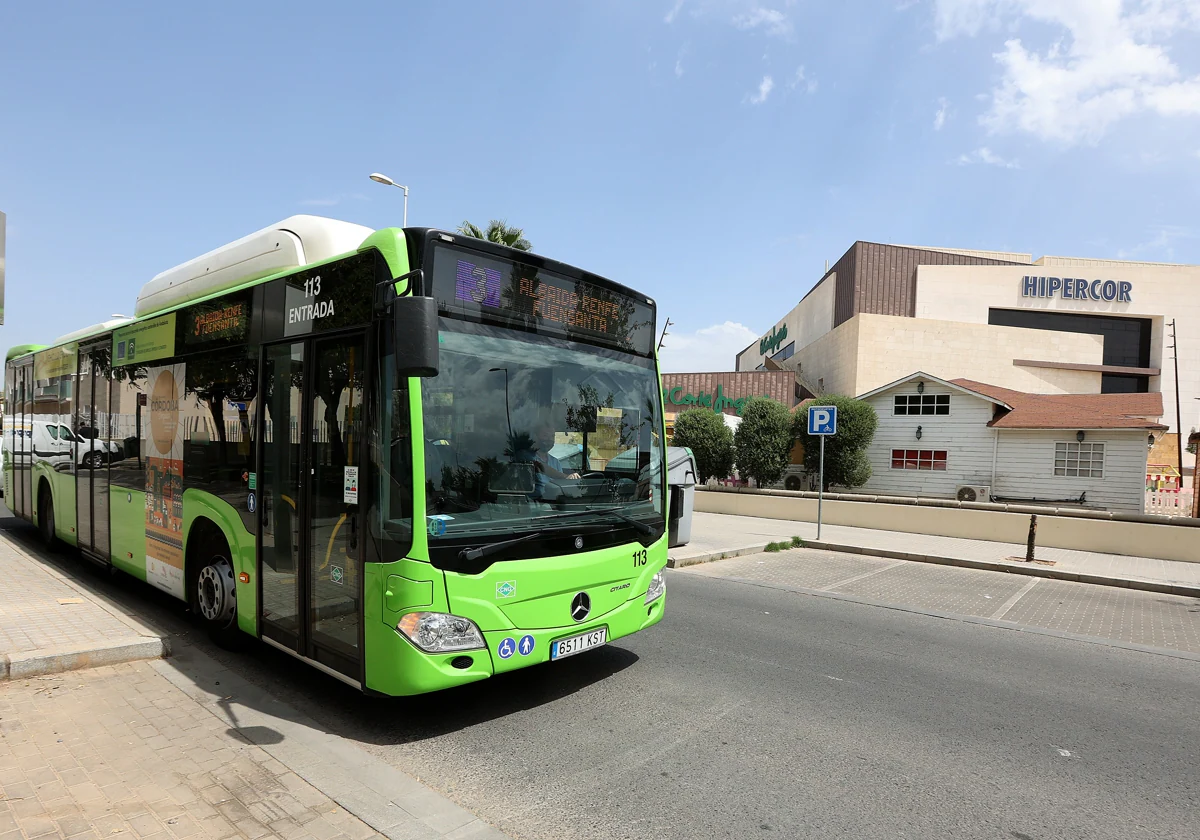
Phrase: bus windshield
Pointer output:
(520, 428)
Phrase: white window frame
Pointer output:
(921, 398)
(1070, 457)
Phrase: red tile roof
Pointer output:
(1070, 411)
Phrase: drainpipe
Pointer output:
(995, 447)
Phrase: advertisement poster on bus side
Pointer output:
(164, 479)
(144, 341)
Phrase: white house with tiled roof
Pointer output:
(950, 439)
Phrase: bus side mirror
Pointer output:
(415, 335)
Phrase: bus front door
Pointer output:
(311, 549)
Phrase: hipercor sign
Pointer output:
(1075, 288)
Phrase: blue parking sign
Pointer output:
(822, 419)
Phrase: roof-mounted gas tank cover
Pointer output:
(294, 242)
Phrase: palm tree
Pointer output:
(498, 231)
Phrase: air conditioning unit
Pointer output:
(974, 493)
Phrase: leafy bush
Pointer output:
(763, 441)
(705, 433)
(846, 463)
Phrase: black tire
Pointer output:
(213, 588)
(93, 460)
(46, 518)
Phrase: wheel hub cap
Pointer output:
(215, 590)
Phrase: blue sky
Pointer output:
(711, 153)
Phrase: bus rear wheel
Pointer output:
(46, 517)
(214, 595)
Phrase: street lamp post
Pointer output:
(380, 178)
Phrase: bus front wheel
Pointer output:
(214, 593)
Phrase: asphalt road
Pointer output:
(756, 711)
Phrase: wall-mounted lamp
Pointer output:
(918, 432)
(1079, 436)
(1150, 440)
(920, 387)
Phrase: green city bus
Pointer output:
(410, 458)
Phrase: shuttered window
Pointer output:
(918, 459)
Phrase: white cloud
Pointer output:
(1110, 61)
(709, 349)
(810, 85)
(773, 21)
(939, 119)
(671, 15)
(678, 68)
(986, 156)
(764, 90)
(1159, 245)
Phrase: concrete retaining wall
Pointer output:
(1080, 530)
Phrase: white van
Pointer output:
(56, 443)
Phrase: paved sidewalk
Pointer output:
(715, 535)
(1124, 617)
(170, 748)
(49, 623)
(119, 751)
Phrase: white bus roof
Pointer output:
(294, 242)
(86, 331)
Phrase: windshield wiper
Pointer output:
(472, 554)
(642, 527)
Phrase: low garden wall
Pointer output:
(1167, 538)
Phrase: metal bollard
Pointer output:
(1032, 537)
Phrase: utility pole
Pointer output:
(664, 333)
(1178, 414)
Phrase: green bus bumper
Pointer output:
(406, 670)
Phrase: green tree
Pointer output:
(705, 433)
(763, 440)
(846, 463)
(498, 231)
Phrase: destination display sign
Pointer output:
(482, 288)
(216, 323)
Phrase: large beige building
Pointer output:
(1055, 325)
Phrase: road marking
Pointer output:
(857, 578)
(1012, 602)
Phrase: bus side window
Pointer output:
(222, 393)
(126, 415)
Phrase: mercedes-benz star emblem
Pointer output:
(581, 606)
(578, 543)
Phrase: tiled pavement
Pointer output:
(1128, 616)
(119, 751)
(714, 533)
(176, 748)
(48, 623)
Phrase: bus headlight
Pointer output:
(658, 588)
(436, 632)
